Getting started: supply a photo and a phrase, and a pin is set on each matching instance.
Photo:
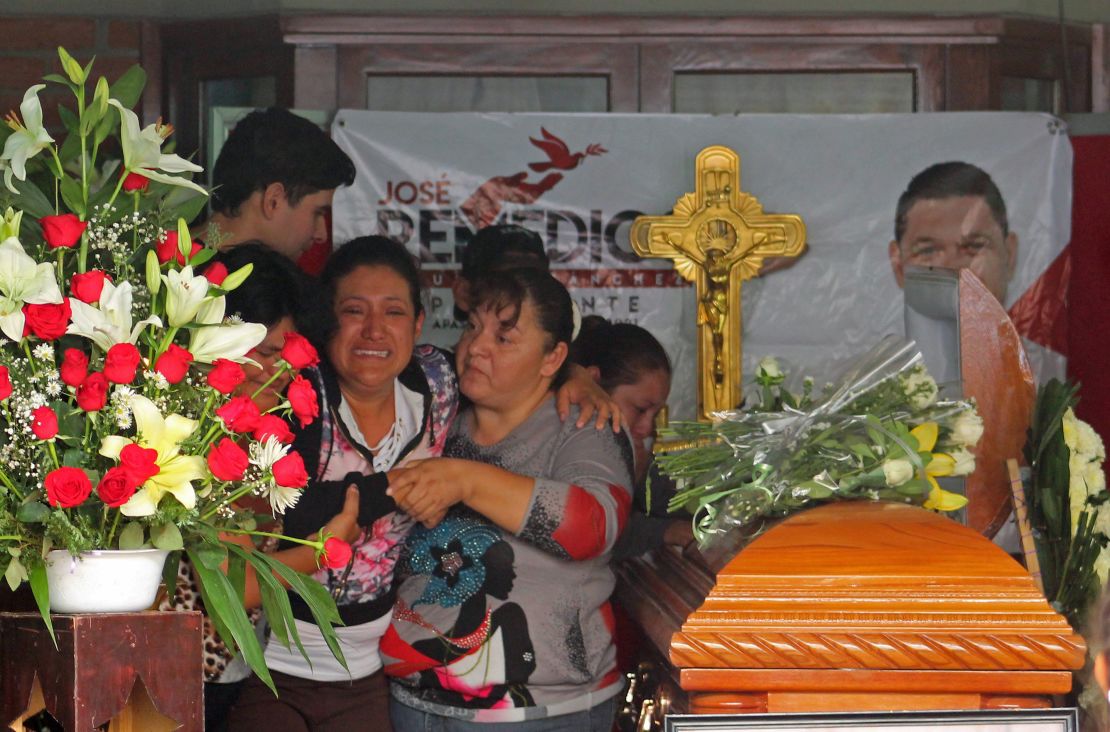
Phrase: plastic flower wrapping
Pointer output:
(879, 433)
(119, 367)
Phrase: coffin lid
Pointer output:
(863, 585)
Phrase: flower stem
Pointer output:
(119, 186)
(53, 453)
(83, 252)
(272, 379)
(317, 545)
(112, 531)
(30, 359)
(165, 342)
(10, 486)
(84, 157)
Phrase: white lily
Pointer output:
(176, 472)
(185, 294)
(28, 139)
(232, 341)
(110, 322)
(142, 151)
(22, 280)
(212, 311)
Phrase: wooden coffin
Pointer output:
(851, 606)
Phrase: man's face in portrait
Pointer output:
(956, 232)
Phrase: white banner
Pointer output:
(430, 180)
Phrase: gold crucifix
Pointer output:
(718, 236)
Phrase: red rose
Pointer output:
(44, 423)
(120, 363)
(74, 368)
(134, 181)
(337, 553)
(298, 352)
(67, 487)
(174, 363)
(49, 321)
(62, 231)
(225, 375)
(240, 414)
(139, 463)
(87, 287)
(302, 398)
(116, 487)
(271, 425)
(5, 383)
(289, 471)
(92, 395)
(227, 461)
(167, 249)
(216, 273)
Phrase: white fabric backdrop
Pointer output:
(842, 173)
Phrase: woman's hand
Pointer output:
(344, 525)
(425, 489)
(680, 533)
(580, 389)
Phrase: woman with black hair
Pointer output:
(630, 364)
(542, 656)
(382, 403)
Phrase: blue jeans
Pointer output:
(598, 718)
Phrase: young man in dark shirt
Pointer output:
(274, 181)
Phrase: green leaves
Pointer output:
(32, 511)
(72, 195)
(132, 536)
(223, 594)
(15, 574)
(225, 609)
(1066, 560)
(166, 536)
(41, 592)
(129, 86)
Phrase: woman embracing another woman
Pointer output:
(503, 615)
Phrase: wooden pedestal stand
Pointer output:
(142, 671)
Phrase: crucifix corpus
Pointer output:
(718, 236)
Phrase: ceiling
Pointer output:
(1087, 11)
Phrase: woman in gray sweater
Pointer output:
(504, 615)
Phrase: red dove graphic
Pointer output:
(559, 155)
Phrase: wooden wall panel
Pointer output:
(619, 64)
(957, 62)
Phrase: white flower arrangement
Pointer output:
(120, 425)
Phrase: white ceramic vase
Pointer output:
(104, 581)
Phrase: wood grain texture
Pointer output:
(100, 659)
(854, 606)
(996, 373)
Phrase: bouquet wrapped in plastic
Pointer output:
(879, 433)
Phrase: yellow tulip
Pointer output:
(926, 436)
(939, 465)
